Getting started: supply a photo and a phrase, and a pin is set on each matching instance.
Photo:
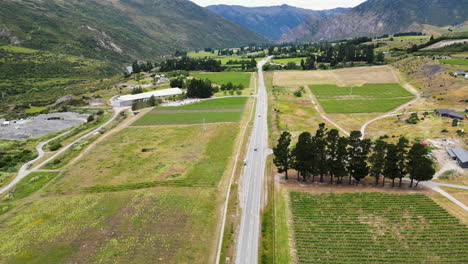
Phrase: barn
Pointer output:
(128, 100)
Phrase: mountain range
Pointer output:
(378, 17)
(272, 21)
(118, 29)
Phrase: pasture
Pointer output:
(175, 225)
(368, 98)
(362, 105)
(344, 77)
(375, 228)
(177, 118)
(454, 61)
(220, 78)
(374, 90)
(286, 60)
(221, 103)
(206, 111)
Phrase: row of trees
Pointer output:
(145, 67)
(329, 154)
(197, 88)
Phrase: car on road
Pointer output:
(255, 149)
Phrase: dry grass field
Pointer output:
(342, 77)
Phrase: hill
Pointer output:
(271, 21)
(378, 17)
(117, 30)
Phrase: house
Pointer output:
(6, 123)
(460, 155)
(449, 113)
(164, 79)
(128, 100)
(460, 74)
(129, 69)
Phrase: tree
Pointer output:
(199, 88)
(332, 139)
(342, 158)
(420, 167)
(177, 82)
(377, 160)
(321, 146)
(152, 101)
(391, 169)
(282, 159)
(402, 152)
(380, 57)
(303, 156)
(358, 155)
(136, 67)
(90, 118)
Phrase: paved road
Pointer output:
(25, 170)
(252, 179)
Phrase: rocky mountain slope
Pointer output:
(271, 21)
(117, 29)
(378, 17)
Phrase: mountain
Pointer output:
(117, 29)
(378, 17)
(271, 21)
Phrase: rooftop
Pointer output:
(461, 154)
(158, 93)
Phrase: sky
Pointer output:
(309, 4)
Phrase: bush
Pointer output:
(90, 118)
(55, 145)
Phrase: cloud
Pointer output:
(310, 4)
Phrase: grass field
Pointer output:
(368, 98)
(222, 103)
(209, 111)
(406, 38)
(226, 77)
(454, 61)
(285, 61)
(343, 77)
(374, 90)
(95, 212)
(153, 118)
(202, 54)
(375, 228)
(125, 227)
(362, 105)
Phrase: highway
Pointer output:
(252, 179)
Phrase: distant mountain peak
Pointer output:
(378, 17)
(271, 21)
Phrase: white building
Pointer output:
(127, 100)
(129, 69)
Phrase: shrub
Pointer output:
(55, 145)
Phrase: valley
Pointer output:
(146, 131)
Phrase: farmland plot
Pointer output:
(375, 228)
(361, 99)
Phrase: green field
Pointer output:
(209, 111)
(17, 49)
(361, 99)
(153, 118)
(226, 77)
(407, 38)
(222, 103)
(94, 212)
(202, 54)
(285, 61)
(372, 90)
(375, 228)
(125, 227)
(454, 61)
(362, 105)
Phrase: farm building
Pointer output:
(449, 113)
(129, 69)
(460, 155)
(461, 74)
(128, 100)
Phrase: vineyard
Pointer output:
(375, 228)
